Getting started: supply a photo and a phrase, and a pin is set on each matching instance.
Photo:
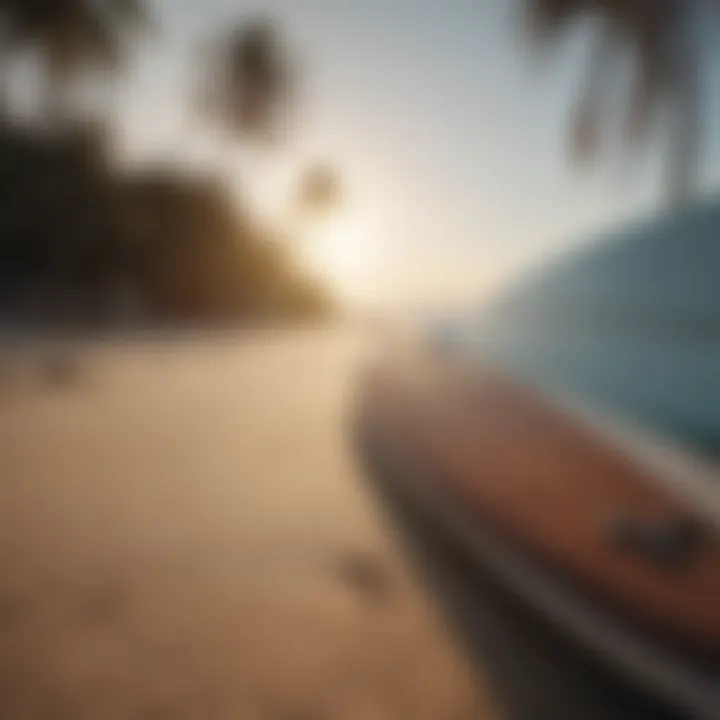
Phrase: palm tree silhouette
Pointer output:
(248, 83)
(246, 90)
(664, 39)
(320, 190)
(68, 38)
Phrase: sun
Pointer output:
(337, 247)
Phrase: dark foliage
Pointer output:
(83, 241)
(663, 38)
(79, 241)
(247, 83)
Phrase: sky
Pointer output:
(448, 129)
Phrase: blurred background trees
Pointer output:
(664, 40)
(82, 240)
(247, 84)
(320, 190)
(70, 42)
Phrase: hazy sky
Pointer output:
(448, 129)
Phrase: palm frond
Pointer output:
(547, 18)
(656, 33)
(248, 80)
(320, 190)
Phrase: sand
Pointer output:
(184, 534)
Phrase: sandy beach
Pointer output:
(184, 534)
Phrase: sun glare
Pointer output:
(338, 248)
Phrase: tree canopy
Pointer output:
(78, 232)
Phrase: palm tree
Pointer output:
(69, 38)
(246, 88)
(320, 190)
(248, 81)
(664, 39)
